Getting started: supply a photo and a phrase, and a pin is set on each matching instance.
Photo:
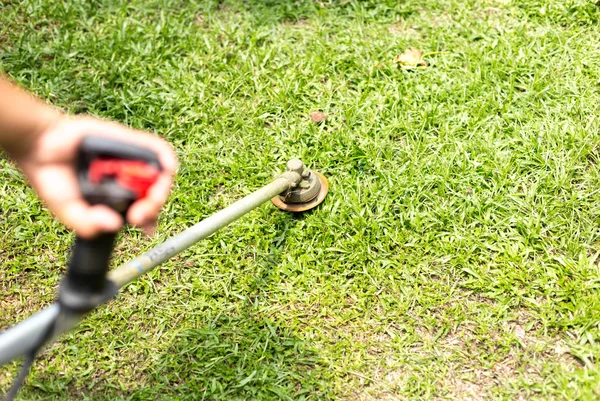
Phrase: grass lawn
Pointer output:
(457, 256)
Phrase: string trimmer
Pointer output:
(117, 174)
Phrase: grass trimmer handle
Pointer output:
(115, 174)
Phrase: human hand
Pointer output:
(49, 163)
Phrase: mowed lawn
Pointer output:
(455, 258)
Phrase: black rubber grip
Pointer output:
(89, 262)
(85, 286)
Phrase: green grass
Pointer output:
(456, 257)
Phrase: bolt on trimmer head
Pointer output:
(306, 195)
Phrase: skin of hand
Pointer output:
(49, 164)
(44, 144)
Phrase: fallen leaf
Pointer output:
(317, 116)
(411, 58)
(200, 21)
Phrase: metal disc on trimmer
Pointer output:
(307, 195)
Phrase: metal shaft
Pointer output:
(149, 260)
(26, 335)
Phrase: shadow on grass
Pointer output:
(247, 354)
(244, 355)
(232, 357)
(237, 357)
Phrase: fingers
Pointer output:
(144, 212)
(57, 185)
(51, 169)
(90, 221)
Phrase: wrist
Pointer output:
(23, 119)
(27, 142)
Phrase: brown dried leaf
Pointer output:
(411, 58)
(317, 116)
(201, 21)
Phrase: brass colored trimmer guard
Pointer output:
(308, 194)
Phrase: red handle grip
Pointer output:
(134, 175)
(115, 173)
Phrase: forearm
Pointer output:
(22, 118)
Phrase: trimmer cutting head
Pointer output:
(307, 195)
